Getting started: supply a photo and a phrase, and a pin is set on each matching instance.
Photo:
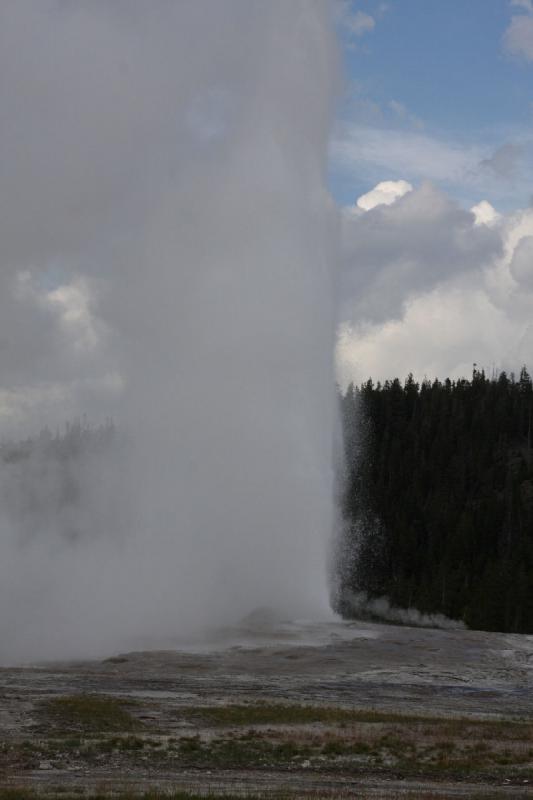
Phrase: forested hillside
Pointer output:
(437, 499)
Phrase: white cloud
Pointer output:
(438, 289)
(485, 213)
(403, 113)
(518, 38)
(521, 266)
(441, 334)
(392, 252)
(417, 155)
(73, 304)
(354, 22)
(360, 23)
(366, 150)
(385, 193)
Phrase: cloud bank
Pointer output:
(431, 288)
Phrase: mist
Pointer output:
(168, 260)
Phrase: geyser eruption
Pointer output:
(177, 179)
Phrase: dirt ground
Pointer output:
(280, 709)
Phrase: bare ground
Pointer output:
(326, 710)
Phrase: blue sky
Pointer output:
(438, 259)
(445, 85)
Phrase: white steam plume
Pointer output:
(169, 159)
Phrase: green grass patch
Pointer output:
(91, 713)
(243, 751)
(60, 794)
(292, 714)
(288, 714)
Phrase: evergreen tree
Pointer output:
(437, 503)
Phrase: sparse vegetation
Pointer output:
(90, 713)
(285, 714)
(28, 794)
(276, 736)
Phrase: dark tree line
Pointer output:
(46, 481)
(78, 437)
(437, 498)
